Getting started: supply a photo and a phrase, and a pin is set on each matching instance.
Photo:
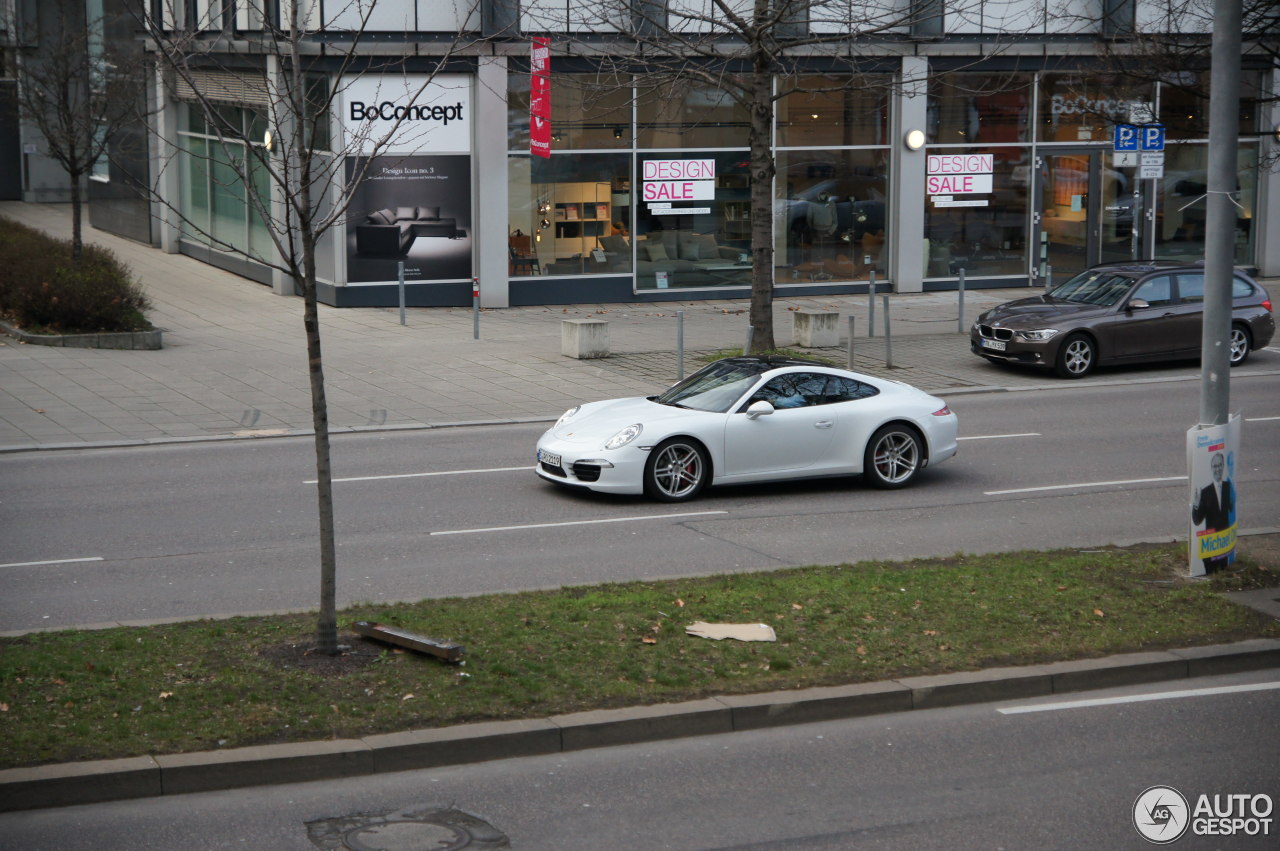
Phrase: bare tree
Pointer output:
(740, 49)
(80, 91)
(297, 171)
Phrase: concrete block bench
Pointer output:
(817, 329)
(584, 338)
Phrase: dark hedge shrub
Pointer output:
(42, 290)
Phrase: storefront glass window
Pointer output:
(1181, 213)
(968, 108)
(1078, 107)
(834, 111)
(830, 218)
(215, 203)
(569, 214)
(983, 240)
(706, 240)
(588, 113)
(689, 114)
(1184, 104)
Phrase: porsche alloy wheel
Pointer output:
(676, 470)
(893, 457)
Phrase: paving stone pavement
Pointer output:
(234, 357)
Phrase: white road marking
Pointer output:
(1260, 419)
(422, 475)
(52, 561)
(577, 523)
(1085, 485)
(999, 436)
(1137, 698)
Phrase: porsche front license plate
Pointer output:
(549, 458)
(994, 345)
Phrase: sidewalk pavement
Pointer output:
(234, 358)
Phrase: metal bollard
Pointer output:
(888, 342)
(871, 306)
(475, 308)
(851, 327)
(679, 345)
(960, 292)
(400, 278)
(746, 348)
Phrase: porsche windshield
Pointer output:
(1101, 288)
(716, 386)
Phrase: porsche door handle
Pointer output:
(824, 424)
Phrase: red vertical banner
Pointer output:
(540, 98)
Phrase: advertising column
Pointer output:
(1211, 457)
(413, 201)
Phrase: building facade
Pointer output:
(989, 152)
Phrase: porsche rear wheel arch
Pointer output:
(677, 469)
(894, 456)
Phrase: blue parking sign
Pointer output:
(1152, 137)
(1126, 137)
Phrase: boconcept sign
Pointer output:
(409, 113)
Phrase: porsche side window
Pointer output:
(848, 390)
(794, 390)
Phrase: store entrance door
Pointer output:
(1089, 213)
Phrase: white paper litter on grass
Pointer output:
(740, 631)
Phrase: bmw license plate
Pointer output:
(549, 458)
(994, 345)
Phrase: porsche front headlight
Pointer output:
(624, 437)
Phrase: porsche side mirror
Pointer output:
(1138, 304)
(759, 409)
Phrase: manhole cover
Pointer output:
(420, 829)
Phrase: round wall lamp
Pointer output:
(914, 140)
(269, 141)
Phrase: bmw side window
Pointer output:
(1191, 288)
(1157, 292)
(1241, 289)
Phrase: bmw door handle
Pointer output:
(823, 424)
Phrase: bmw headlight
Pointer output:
(624, 437)
(567, 415)
(1037, 336)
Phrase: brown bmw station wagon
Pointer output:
(1119, 313)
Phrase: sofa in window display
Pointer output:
(683, 251)
(390, 231)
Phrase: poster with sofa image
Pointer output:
(415, 209)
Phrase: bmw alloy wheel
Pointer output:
(892, 457)
(1077, 357)
(1240, 345)
(676, 471)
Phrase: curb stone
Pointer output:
(69, 784)
(140, 340)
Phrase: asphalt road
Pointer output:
(967, 777)
(187, 530)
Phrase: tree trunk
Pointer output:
(762, 172)
(327, 623)
(77, 238)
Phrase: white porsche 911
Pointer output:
(750, 419)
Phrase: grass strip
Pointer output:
(203, 685)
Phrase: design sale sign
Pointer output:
(959, 174)
(664, 181)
